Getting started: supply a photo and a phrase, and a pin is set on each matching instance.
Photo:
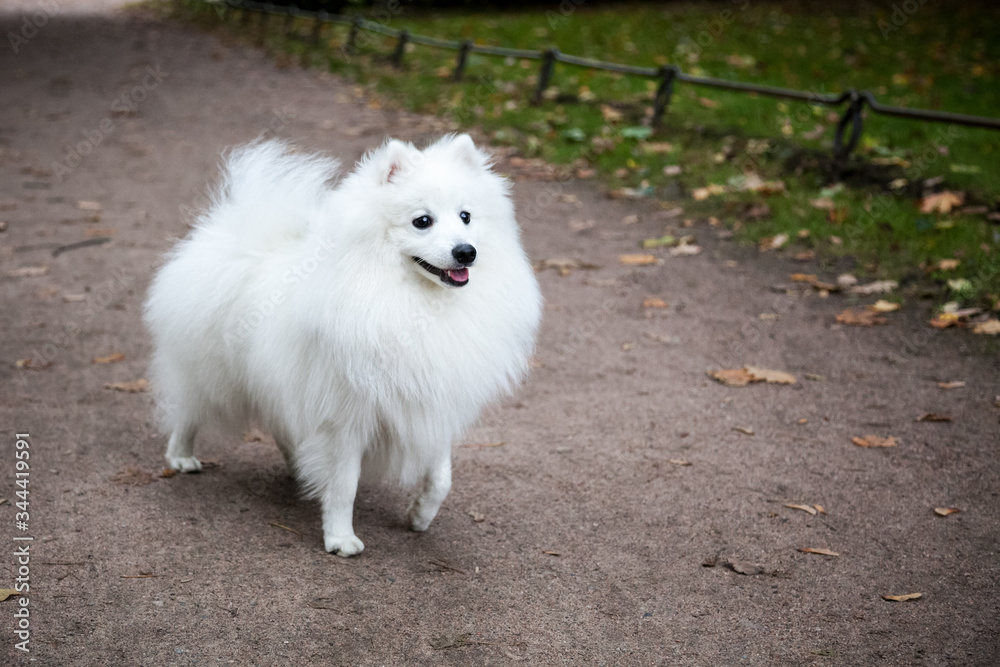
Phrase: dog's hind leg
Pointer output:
(434, 489)
(180, 449)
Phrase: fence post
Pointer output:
(352, 37)
(397, 56)
(463, 54)
(668, 74)
(545, 75)
(852, 115)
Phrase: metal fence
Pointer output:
(845, 139)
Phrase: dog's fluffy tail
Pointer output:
(268, 194)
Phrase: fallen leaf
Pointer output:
(769, 376)
(707, 103)
(744, 430)
(685, 250)
(883, 306)
(29, 271)
(611, 115)
(134, 387)
(877, 287)
(941, 202)
(666, 240)
(167, 473)
(947, 264)
(819, 508)
(552, 553)
(945, 511)
(628, 347)
(945, 320)
(678, 462)
(772, 242)
(672, 170)
(743, 567)
(822, 203)
(821, 552)
(990, 327)
(956, 384)
(742, 376)
(637, 259)
(564, 266)
(902, 598)
(805, 508)
(860, 318)
(803, 278)
(653, 302)
(132, 476)
(110, 359)
(88, 205)
(32, 364)
(734, 378)
(875, 441)
(933, 417)
(7, 592)
(477, 517)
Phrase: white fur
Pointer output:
(298, 304)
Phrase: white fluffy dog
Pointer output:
(365, 324)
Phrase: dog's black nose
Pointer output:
(464, 254)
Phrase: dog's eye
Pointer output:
(465, 216)
(423, 222)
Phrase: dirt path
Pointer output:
(579, 540)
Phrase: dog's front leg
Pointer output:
(338, 489)
(434, 489)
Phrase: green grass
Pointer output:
(946, 56)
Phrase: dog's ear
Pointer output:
(392, 160)
(463, 148)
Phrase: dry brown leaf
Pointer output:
(769, 376)
(74, 298)
(563, 265)
(637, 259)
(860, 318)
(883, 306)
(822, 203)
(990, 327)
(707, 103)
(875, 441)
(941, 202)
(167, 473)
(933, 417)
(678, 462)
(29, 271)
(821, 552)
(735, 378)
(110, 359)
(744, 430)
(945, 320)
(32, 364)
(956, 384)
(803, 278)
(476, 516)
(819, 508)
(902, 598)
(945, 511)
(653, 302)
(877, 287)
(134, 387)
(947, 264)
(743, 567)
(685, 250)
(772, 242)
(7, 592)
(552, 553)
(611, 115)
(805, 508)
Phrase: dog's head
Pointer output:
(441, 205)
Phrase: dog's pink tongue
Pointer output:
(458, 275)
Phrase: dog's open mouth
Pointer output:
(453, 277)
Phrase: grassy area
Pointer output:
(945, 56)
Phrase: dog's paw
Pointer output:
(419, 521)
(184, 463)
(344, 546)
